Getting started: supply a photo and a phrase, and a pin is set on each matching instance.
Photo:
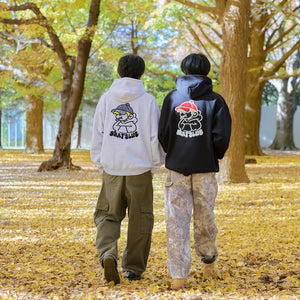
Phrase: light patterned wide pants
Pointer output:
(184, 194)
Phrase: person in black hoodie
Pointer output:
(194, 131)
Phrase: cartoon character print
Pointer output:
(125, 122)
(190, 120)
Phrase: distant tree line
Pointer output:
(58, 54)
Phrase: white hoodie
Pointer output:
(124, 140)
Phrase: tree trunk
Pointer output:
(253, 114)
(62, 151)
(254, 88)
(79, 121)
(134, 37)
(286, 108)
(34, 126)
(72, 92)
(233, 86)
(0, 128)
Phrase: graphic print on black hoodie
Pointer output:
(190, 120)
(125, 122)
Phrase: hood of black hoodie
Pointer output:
(193, 86)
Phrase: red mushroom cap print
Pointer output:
(188, 106)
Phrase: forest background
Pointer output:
(59, 55)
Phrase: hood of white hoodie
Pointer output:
(127, 89)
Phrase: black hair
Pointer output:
(131, 66)
(195, 63)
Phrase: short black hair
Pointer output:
(195, 63)
(131, 66)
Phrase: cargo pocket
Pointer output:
(170, 194)
(101, 209)
(177, 188)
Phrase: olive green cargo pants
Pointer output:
(117, 194)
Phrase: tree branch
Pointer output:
(279, 63)
(196, 37)
(24, 41)
(20, 22)
(271, 47)
(217, 33)
(215, 45)
(277, 47)
(163, 73)
(15, 71)
(41, 20)
(265, 79)
(283, 7)
(207, 9)
(83, 50)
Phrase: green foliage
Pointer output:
(7, 95)
(158, 30)
(270, 95)
(122, 24)
(98, 79)
(159, 86)
(38, 65)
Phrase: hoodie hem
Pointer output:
(126, 172)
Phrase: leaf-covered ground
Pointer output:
(47, 235)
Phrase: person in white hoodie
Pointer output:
(126, 149)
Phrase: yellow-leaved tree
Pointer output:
(42, 16)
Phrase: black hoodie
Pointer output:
(195, 126)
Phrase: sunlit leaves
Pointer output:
(47, 235)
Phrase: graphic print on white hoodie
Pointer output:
(125, 125)
(125, 130)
